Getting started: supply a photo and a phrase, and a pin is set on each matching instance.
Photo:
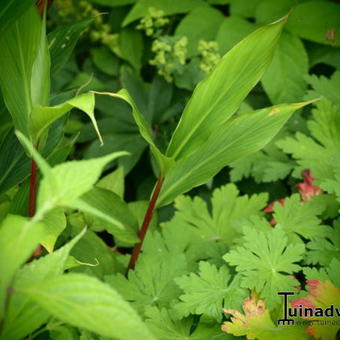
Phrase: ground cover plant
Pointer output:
(168, 167)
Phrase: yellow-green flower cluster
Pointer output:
(208, 52)
(170, 55)
(72, 10)
(153, 22)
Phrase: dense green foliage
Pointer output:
(203, 179)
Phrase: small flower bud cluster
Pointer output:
(208, 52)
(153, 22)
(170, 55)
(99, 31)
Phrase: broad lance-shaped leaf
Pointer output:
(63, 184)
(19, 44)
(240, 136)
(23, 315)
(62, 42)
(43, 116)
(164, 162)
(40, 79)
(12, 10)
(85, 302)
(18, 239)
(218, 96)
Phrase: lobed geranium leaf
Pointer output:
(206, 292)
(265, 261)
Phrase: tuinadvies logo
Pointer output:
(304, 312)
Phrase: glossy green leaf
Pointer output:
(141, 8)
(14, 163)
(232, 140)
(232, 30)
(111, 213)
(86, 302)
(66, 182)
(313, 20)
(43, 116)
(54, 223)
(201, 23)
(10, 10)
(164, 162)
(24, 315)
(219, 95)
(284, 81)
(105, 60)
(40, 79)
(131, 44)
(62, 42)
(113, 182)
(19, 45)
(18, 239)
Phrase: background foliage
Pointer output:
(265, 223)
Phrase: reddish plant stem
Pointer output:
(146, 222)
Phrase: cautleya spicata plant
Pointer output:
(209, 136)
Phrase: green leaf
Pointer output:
(166, 326)
(321, 249)
(66, 182)
(201, 23)
(18, 239)
(24, 316)
(12, 10)
(40, 79)
(92, 256)
(54, 223)
(232, 30)
(228, 210)
(131, 44)
(267, 11)
(105, 61)
(113, 3)
(14, 163)
(244, 8)
(112, 214)
(19, 44)
(43, 116)
(114, 182)
(284, 81)
(86, 302)
(238, 137)
(163, 161)
(323, 16)
(265, 260)
(299, 219)
(169, 7)
(328, 88)
(219, 95)
(62, 42)
(152, 282)
(317, 152)
(207, 291)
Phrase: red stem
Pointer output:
(146, 222)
